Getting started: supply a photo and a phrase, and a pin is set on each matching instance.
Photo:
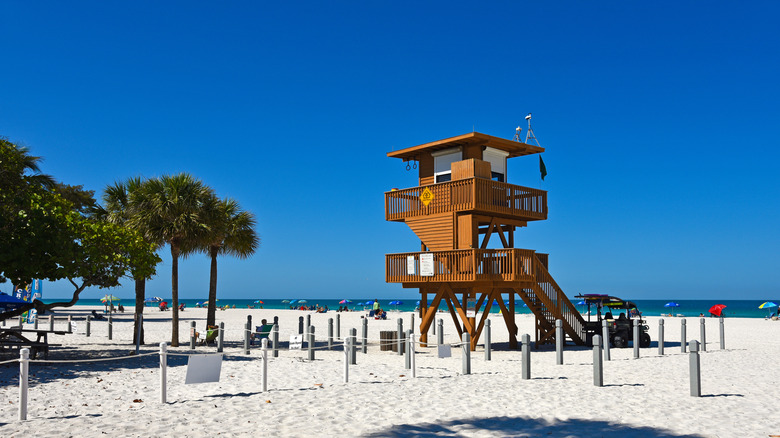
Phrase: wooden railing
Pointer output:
(463, 265)
(472, 194)
(562, 307)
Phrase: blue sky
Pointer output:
(658, 121)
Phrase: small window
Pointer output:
(443, 177)
(442, 163)
(497, 176)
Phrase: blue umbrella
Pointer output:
(293, 301)
(671, 304)
(8, 302)
(582, 303)
(396, 304)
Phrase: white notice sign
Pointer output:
(203, 368)
(296, 342)
(73, 326)
(411, 266)
(471, 308)
(445, 351)
(426, 264)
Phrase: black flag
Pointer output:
(542, 168)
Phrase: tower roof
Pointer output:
(514, 148)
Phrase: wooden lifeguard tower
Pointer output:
(463, 196)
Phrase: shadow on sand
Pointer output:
(523, 427)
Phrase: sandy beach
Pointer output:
(649, 396)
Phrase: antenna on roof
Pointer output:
(530, 134)
(517, 134)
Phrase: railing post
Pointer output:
(412, 348)
(192, 335)
(221, 337)
(487, 340)
(702, 326)
(246, 337)
(163, 372)
(70, 323)
(400, 334)
(722, 335)
(695, 370)
(300, 325)
(353, 344)
(605, 338)
(440, 334)
(682, 336)
(598, 367)
(24, 368)
(264, 343)
(559, 342)
(661, 337)
(411, 325)
(110, 326)
(35, 324)
(525, 342)
(408, 351)
(338, 326)
(89, 320)
(347, 348)
(311, 342)
(330, 333)
(308, 323)
(466, 340)
(275, 332)
(365, 335)
(636, 338)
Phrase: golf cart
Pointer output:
(620, 325)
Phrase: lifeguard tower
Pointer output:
(462, 201)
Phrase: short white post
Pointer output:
(408, 350)
(140, 318)
(559, 342)
(598, 367)
(722, 335)
(703, 334)
(400, 336)
(192, 335)
(412, 348)
(636, 338)
(247, 328)
(605, 338)
(330, 333)
(487, 340)
(24, 368)
(110, 327)
(221, 337)
(347, 347)
(265, 364)
(163, 372)
(89, 320)
(695, 369)
(51, 323)
(70, 320)
(338, 326)
(526, 357)
(661, 337)
(466, 344)
(683, 345)
(365, 335)
(275, 344)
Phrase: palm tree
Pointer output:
(170, 209)
(117, 208)
(231, 233)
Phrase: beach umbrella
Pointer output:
(767, 305)
(671, 304)
(110, 298)
(717, 309)
(285, 301)
(10, 302)
(346, 302)
(293, 301)
(259, 302)
(302, 301)
(396, 304)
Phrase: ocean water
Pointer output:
(689, 308)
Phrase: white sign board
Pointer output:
(296, 342)
(426, 264)
(411, 266)
(203, 368)
(445, 351)
(471, 308)
(73, 326)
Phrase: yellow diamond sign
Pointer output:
(426, 197)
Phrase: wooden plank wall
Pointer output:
(436, 231)
(426, 169)
(467, 232)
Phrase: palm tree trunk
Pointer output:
(175, 295)
(140, 295)
(211, 316)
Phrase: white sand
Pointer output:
(645, 397)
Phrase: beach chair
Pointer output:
(212, 332)
(262, 332)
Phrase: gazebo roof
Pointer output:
(514, 148)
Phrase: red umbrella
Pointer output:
(717, 309)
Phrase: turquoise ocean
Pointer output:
(734, 308)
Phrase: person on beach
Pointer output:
(376, 305)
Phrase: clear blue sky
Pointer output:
(658, 119)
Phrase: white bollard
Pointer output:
(412, 348)
(605, 339)
(163, 372)
(722, 335)
(347, 347)
(24, 368)
(559, 342)
(265, 364)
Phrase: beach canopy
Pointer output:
(110, 298)
(582, 303)
(259, 302)
(153, 300)
(396, 303)
(10, 302)
(302, 301)
(767, 305)
(717, 309)
(671, 304)
(345, 302)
